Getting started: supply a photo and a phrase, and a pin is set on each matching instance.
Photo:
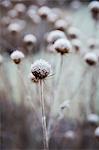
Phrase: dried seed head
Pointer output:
(76, 44)
(94, 8)
(32, 14)
(91, 58)
(62, 46)
(44, 11)
(60, 25)
(93, 118)
(17, 56)
(32, 78)
(29, 39)
(1, 59)
(92, 43)
(52, 17)
(55, 35)
(14, 28)
(40, 69)
(97, 133)
(20, 8)
(12, 13)
(73, 33)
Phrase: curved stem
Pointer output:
(45, 134)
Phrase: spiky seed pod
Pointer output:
(73, 33)
(17, 56)
(62, 46)
(44, 11)
(32, 78)
(29, 39)
(55, 35)
(93, 119)
(91, 58)
(14, 28)
(94, 8)
(97, 133)
(1, 59)
(41, 69)
(60, 25)
(76, 44)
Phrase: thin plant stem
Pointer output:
(60, 69)
(93, 92)
(44, 126)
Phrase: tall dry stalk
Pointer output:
(44, 126)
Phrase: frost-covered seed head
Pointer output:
(17, 56)
(92, 43)
(40, 69)
(93, 118)
(62, 46)
(29, 39)
(60, 25)
(97, 132)
(91, 58)
(20, 8)
(1, 59)
(12, 13)
(32, 14)
(44, 11)
(73, 33)
(32, 78)
(52, 17)
(76, 44)
(55, 35)
(14, 28)
(94, 8)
